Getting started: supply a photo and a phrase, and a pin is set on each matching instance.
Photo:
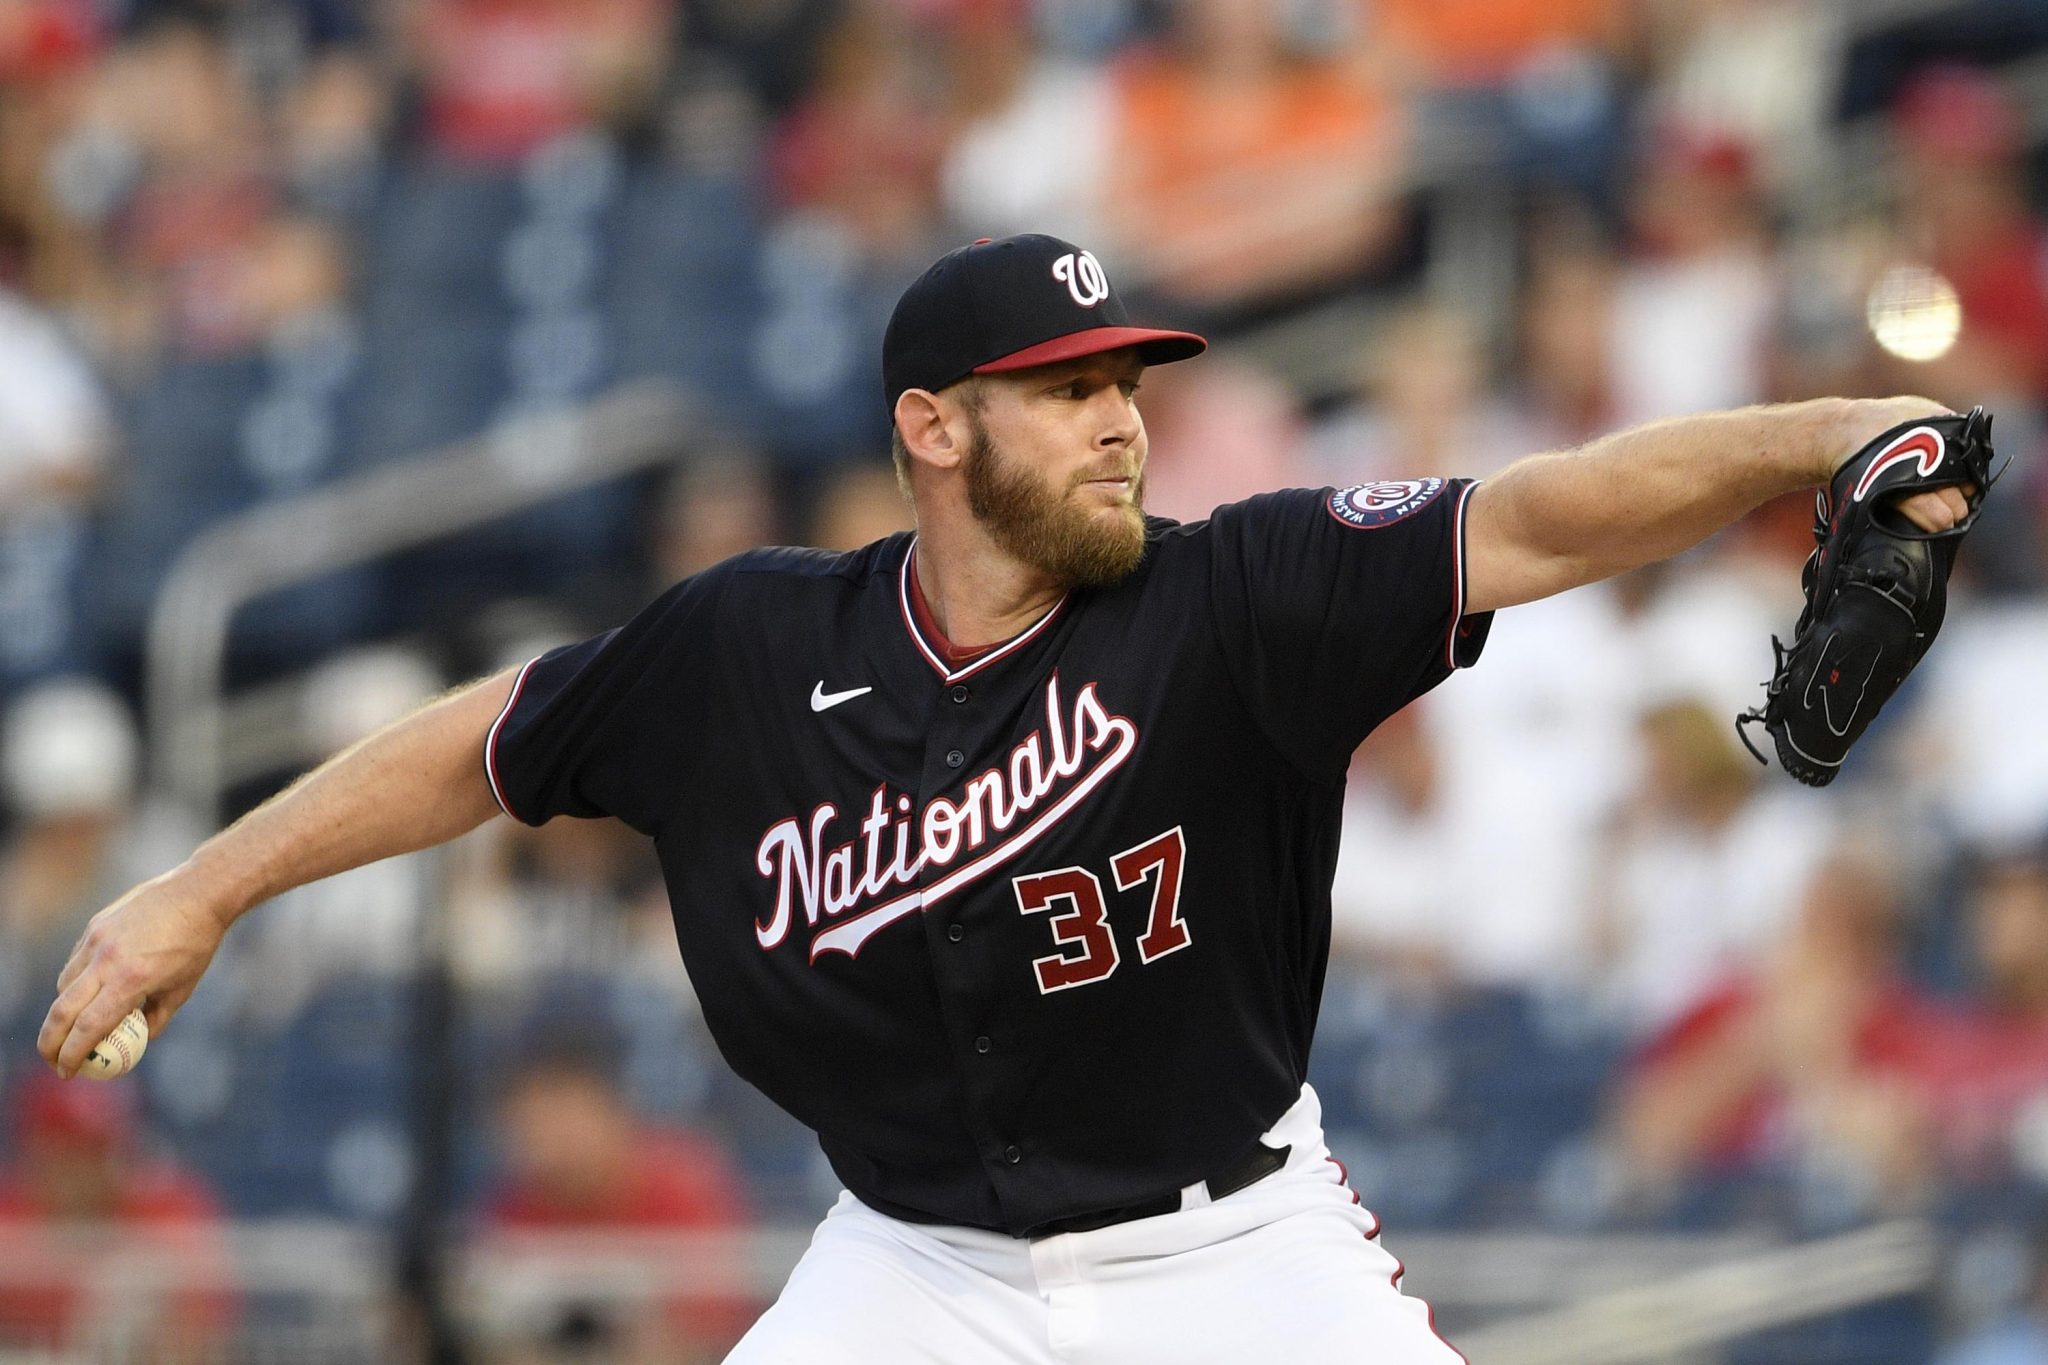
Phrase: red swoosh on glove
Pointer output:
(1921, 443)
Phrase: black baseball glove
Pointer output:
(1876, 589)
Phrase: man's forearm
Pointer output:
(414, 784)
(1553, 521)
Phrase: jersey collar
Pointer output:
(935, 648)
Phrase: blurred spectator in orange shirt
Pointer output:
(1511, 91)
(578, 1159)
(1244, 170)
(81, 1199)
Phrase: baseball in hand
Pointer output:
(119, 1051)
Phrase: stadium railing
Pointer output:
(315, 1290)
(235, 562)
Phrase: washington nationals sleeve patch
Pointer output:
(1367, 506)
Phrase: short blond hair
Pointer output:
(899, 454)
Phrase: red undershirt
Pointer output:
(954, 655)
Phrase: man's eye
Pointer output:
(1130, 388)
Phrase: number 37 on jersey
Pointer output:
(1080, 918)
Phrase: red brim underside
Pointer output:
(1154, 348)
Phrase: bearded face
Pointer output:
(1054, 528)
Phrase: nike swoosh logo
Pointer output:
(1831, 693)
(821, 700)
(1921, 443)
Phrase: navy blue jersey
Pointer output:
(1037, 935)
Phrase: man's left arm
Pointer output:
(1556, 521)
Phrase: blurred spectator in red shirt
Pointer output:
(1963, 210)
(80, 1204)
(50, 51)
(864, 145)
(1698, 294)
(183, 238)
(40, 39)
(578, 1159)
(503, 77)
(1808, 1055)
(1983, 1066)
(1764, 70)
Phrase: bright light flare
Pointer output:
(1914, 312)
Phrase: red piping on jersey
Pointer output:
(1428, 1310)
(933, 656)
(491, 743)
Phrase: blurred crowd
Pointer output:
(251, 249)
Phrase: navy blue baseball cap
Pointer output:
(1009, 304)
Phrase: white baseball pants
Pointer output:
(1288, 1270)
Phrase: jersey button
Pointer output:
(960, 695)
(954, 758)
(982, 1044)
(1013, 1154)
(955, 932)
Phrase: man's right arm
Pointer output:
(416, 783)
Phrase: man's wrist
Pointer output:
(1833, 425)
(1855, 422)
(215, 883)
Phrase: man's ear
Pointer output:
(927, 436)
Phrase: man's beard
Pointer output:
(1044, 528)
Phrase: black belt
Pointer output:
(1254, 1166)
